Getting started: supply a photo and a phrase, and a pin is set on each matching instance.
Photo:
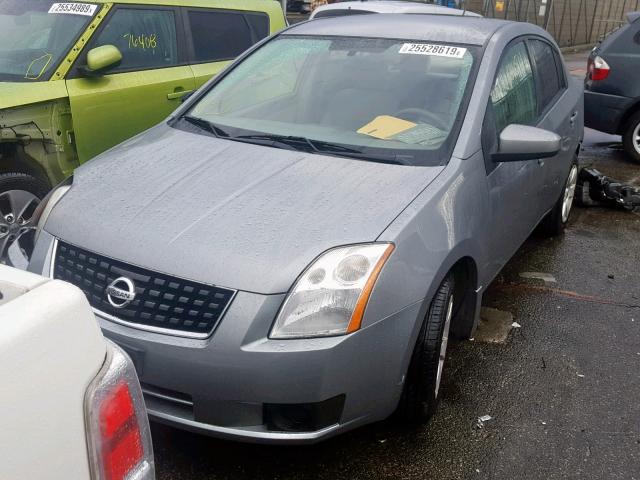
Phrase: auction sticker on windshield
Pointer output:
(87, 9)
(434, 50)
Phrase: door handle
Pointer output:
(573, 118)
(177, 95)
(541, 162)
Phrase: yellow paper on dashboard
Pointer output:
(386, 126)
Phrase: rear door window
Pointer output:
(146, 37)
(550, 84)
(223, 35)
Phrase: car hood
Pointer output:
(227, 213)
(15, 94)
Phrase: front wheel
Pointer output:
(422, 386)
(20, 194)
(556, 220)
(631, 137)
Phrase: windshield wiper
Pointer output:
(290, 141)
(206, 125)
(319, 146)
(294, 142)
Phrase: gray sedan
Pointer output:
(286, 257)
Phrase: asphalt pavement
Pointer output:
(561, 391)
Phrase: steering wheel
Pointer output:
(417, 114)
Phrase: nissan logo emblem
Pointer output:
(121, 292)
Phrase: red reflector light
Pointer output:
(121, 442)
(598, 69)
(116, 409)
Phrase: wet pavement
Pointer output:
(561, 391)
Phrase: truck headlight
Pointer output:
(43, 210)
(330, 296)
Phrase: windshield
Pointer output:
(36, 35)
(386, 99)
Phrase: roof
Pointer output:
(389, 6)
(633, 16)
(441, 28)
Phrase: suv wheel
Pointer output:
(422, 385)
(20, 194)
(556, 220)
(631, 137)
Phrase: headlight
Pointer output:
(331, 295)
(42, 211)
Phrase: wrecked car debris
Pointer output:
(596, 189)
(482, 420)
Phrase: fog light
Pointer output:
(303, 417)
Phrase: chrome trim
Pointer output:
(168, 398)
(54, 249)
(147, 328)
(249, 434)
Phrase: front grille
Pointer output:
(162, 303)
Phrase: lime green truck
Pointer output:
(78, 78)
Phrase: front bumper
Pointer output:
(221, 386)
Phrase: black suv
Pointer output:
(612, 96)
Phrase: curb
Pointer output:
(577, 48)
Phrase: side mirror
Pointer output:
(102, 58)
(521, 142)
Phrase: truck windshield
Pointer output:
(394, 101)
(36, 35)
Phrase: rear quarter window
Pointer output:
(223, 35)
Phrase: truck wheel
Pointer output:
(631, 137)
(556, 220)
(20, 194)
(422, 385)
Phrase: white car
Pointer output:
(385, 6)
(70, 404)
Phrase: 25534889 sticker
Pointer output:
(87, 9)
(433, 50)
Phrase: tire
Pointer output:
(556, 220)
(631, 137)
(422, 386)
(20, 193)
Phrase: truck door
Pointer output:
(146, 87)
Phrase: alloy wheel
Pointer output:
(636, 138)
(444, 343)
(16, 227)
(569, 193)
